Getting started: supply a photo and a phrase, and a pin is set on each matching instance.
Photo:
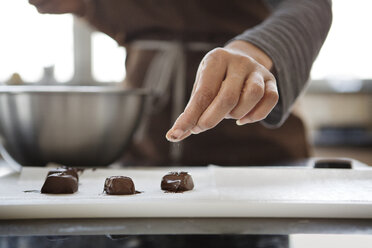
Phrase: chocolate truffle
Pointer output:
(119, 185)
(60, 183)
(177, 182)
(66, 170)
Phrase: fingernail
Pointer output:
(243, 121)
(196, 130)
(175, 135)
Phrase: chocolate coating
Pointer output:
(177, 182)
(119, 185)
(66, 170)
(60, 183)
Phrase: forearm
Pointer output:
(292, 37)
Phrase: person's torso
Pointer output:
(190, 20)
(194, 21)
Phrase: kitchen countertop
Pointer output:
(215, 226)
(150, 226)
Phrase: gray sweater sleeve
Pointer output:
(292, 37)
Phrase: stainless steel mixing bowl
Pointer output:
(70, 125)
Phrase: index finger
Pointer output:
(207, 86)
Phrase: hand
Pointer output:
(59, 6)
(233, 82)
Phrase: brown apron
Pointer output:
(203, 21)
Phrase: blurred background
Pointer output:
(337, 106)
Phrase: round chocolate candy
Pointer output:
(119, 185)
(177, 182)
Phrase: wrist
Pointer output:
(252, 51)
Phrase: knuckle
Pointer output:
(260, 116)
(242, 69)
(234, 114)
(217, 54)
(273, 96)
(244, 61)
(271, 77)
(236, 76)
(219, 51)
(204, 96)
(229, 99)
(205, 124)
(186, 119)
(256, 90)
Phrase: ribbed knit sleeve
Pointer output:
(292, 37)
